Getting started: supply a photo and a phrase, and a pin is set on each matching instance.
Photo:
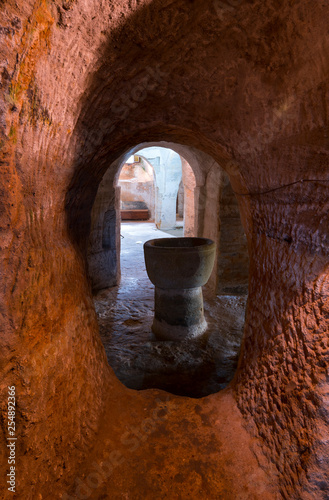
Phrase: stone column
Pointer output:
(189, 199)
(168, 173)
(104, 242)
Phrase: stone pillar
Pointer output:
(180, 200)
(168, 173)
(165, 213)
(233, 261)
(104, 243)
(189, 199)
(207, 200)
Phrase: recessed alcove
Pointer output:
(124, 297)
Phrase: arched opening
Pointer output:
(137, 190)
(124, 296)
(154, 183)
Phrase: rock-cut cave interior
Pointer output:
(125, 121)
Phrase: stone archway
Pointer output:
(208, 213)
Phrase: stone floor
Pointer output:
(194, 368)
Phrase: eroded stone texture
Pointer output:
(233, 262)
(83, 82)
(289, 404)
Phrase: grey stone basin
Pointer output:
(179, 262)
(179, 267)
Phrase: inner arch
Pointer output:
(194, 368)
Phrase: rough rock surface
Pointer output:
(246, 82)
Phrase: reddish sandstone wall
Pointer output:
(82, 82)
(233, 265)
(189, 209)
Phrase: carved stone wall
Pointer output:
(245, 83)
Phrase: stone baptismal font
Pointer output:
(179, 267)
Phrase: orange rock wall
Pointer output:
(246, 83)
